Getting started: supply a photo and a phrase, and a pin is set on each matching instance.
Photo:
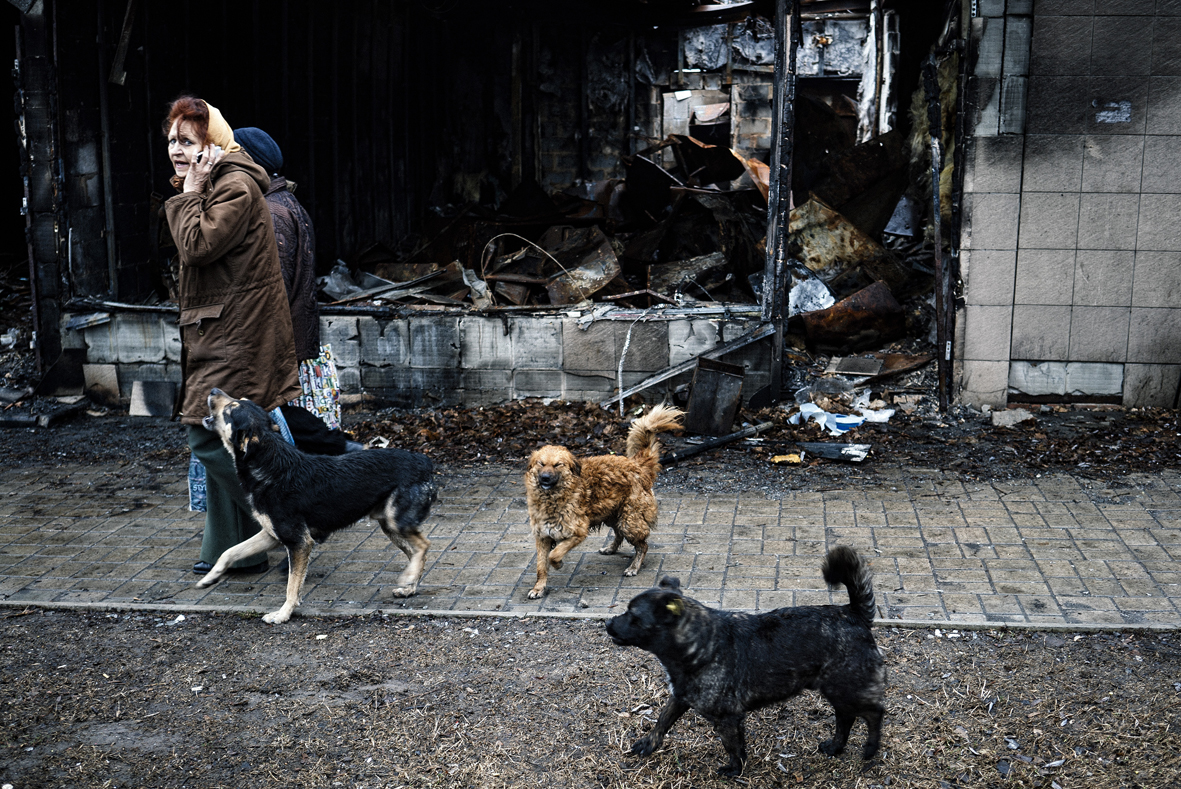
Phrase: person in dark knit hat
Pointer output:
(297, 257)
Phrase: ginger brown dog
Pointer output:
(568, 497)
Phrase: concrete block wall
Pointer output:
(751, 108)
(459, 359)
(1072, 247)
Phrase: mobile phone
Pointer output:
(198, 160)
(217, 150)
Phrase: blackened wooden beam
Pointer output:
(787, 36)
(942, 278)
(714, 443)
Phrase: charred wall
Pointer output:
(380, 108)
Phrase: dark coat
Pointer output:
(297, 258)
(234, 321)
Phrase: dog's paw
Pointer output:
(629, 572)
(535, 593)
(207, 582)
(608, 551)
(870, 750)
(731, 769)
(644, 747)
(406, 591)
(555, 563)
(276, 617)
(831, 748)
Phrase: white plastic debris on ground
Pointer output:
(871, 414)
(835, 424)
(838, 424)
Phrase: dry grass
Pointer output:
(91, 700)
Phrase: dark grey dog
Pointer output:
(725, 665)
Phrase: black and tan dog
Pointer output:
(568, 496)
(725, 665)
(300, 499)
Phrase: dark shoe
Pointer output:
(202, 568)
(254, 569)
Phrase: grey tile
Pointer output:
(986, 333)
(1058, 105)
(992, 220)
(1112, 163)
(1014, 95)
(1162, 164)
(1061, 46)
(1159, 229)
(1117, 105)
(1053, 162)
(1155, 336)
(984, 383)
(1065, 7)
(1164, 105)
(1151, 385)
(1125, 7)
(1018, 33)
(1049, 221)
(1157, 282)
(1166, 47)
(1168, 7)
(997, 164)
(990, 46)
(1099, 334)
(990, 277)
(1103, 278)
(985, 107)
(1040, 332)
(1117, 45)
(1044, 276)
(1108, 221)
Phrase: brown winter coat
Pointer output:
(235, 326)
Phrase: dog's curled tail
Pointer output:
(642, 440)
(842, 565)
(644, 431)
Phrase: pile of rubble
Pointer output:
(682, 236)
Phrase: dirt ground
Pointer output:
(143, 700)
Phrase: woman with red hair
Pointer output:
(234, 321)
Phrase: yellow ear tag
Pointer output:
(675, 606)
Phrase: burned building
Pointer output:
(580, 200)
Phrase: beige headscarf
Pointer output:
(220, 132)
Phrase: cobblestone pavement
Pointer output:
(1047, 552)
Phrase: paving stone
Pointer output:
(1041, 552)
